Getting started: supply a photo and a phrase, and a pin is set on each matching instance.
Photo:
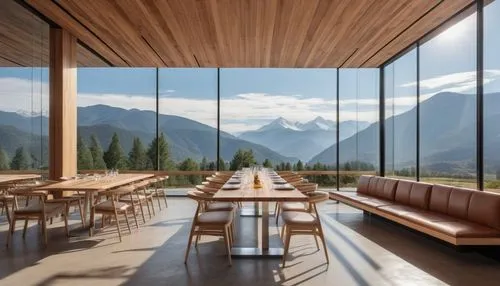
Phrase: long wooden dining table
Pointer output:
(91, 185)
(264, 195)
(14, 178)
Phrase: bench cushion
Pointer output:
(458, 204)
(484, 208)
(403, 191)
(363, 183)
(463, 229)
(375, 202)
(397, 210)
(419, 195)
(440, 196)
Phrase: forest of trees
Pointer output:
(92, 156)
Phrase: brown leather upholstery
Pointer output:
(419, 195)
(390, 188)
(448, 213)
(290, 206)
(372, 187)
(379, 187)
(363, 183)
(484, 208)
(398, 210)
(440, 196)
(458, 204)
(220, 207)
(462, 228)
(403, 191)
(292, 217)
(220, 217)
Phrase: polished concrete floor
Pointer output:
(363, 250)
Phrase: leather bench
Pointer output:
(459, 216)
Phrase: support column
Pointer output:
(62, 114)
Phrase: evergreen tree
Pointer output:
(267, 163)
(97, 153)
(20, 161)
(212, 166)
(84, 156)
(190, 165)
(164, 155)
(300, 166)
(4, 160)
(288, 166)
(242, 159)
(222, 165)
(137, 157)
(204, 164)
(114, 156)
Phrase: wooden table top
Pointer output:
(11, 178)
(91, 183)
(246, 193)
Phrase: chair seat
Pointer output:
(134, 198)
(220, 207)
(288, 206)
(298, 218)
(4, 197)
(108, 206)
(215, 217)
(36, 208)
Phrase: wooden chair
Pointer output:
(74, 200)
(6, 199)
(38, 208)
(136, 200)
(206, 189)
(296, 206)
(159, 189)
(304, 222)
(113, 207)
(214, 223)
(146, 195)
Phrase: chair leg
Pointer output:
(11, 230)
(149, 210)
(196, 241)
(283, 232)
(316, 241)
(228, 244)
(118, 227)
(44, 231)
(278, 214)
(158, 198)
(165, 198)
(190, 241)
(322, 236)
(82, 216)
(128, 224)
(103, 220)
(3, 208)
(152, 205)
(142, 212)
(7, 214)
(135, 214)
(66, 227)
(25, 228)
(287, 244)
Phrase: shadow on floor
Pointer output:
(435, 257)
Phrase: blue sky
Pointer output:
(253, 97)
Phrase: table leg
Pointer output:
(265, 226)
(92, 220)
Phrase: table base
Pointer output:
(253, 252)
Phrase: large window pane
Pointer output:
(448, 105)
(116, 118)
(492, 96)
(400, 116)
(359, 128)
(188, 121)
(24, 89)
(285, 117)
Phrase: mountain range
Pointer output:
(301, 140)
(447, 136)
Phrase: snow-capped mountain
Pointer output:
(301, 140)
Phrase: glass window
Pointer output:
(491, 96)
(116, 118)
(448, 105)
(358, 124)
(284, 118)
(24, 89)
(400, 90)
(187, 121)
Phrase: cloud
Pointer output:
(26, 96)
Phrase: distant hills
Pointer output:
(447, 136)
(301, 140)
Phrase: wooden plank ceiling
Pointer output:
(248, 33)
(24, 39)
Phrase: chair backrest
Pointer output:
(317, 197)
(216, 180)
(307, 187)
(206, 189)
(198, 196)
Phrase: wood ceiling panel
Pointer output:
(426, 24)
(248, 33)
